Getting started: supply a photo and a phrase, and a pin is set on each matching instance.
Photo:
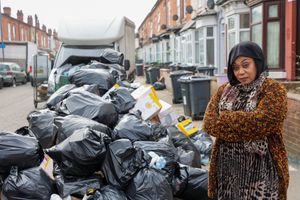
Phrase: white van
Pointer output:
(84, 41)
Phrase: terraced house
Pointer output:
(201, 32)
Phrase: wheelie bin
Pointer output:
(176, 89)
(195, 91)
(139, 69)
(154, 74)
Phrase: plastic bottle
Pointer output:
(157, 162)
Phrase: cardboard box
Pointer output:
(167, 116)
(146, 101)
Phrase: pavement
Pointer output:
(294, 165)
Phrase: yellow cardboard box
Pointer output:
(146, 101)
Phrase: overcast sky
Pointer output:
(50, 12)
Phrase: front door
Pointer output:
(298, 42)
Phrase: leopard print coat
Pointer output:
(265, 122)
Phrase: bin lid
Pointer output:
(180, 72)
(193, 78)
(205, 68)
(152, 68)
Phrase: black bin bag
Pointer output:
(111, 56)
(122, 162)
(203, 143)
(91, 106)
(168, 152)
(149, 184)
(187, 151)
(101, 77)
(41, 125)
(59, 95)
(131, 126)
(17, 150)
(121, 98)
(190, 183)
(81, 154)
(108, 193)
(77, 186)
(65, 126)
(28, 184)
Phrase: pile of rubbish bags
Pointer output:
(89, 143)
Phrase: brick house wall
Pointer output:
(292, 126)
(16, 29)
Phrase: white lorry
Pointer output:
(84, 41)
(21, 53)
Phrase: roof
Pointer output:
(102, 31)
(188, 25)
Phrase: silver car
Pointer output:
(12, 73)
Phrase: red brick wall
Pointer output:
(292, 128)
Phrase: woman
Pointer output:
(246, 115)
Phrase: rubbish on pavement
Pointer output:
(167, 115)
(147, 101)
(81, 154)
(41, 125)
(17, 150)
(33, 184)
(107, 193)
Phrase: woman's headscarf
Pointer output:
(247, 49)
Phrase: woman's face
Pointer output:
(244, 69)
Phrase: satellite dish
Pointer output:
(189, 9)
(163, 26)
(210, 4)
(175, 17)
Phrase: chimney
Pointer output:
(49, 31)
(7, 11)
(29, 20)
(37, 23)
(44, 28)
(20, 15)
(54, 33)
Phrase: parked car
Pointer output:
(1, 81)
(12, 73)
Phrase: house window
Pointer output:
(273, 36)
(22, 34)
(238, 29)
(267, 31)
(169, 13)
(205, 46)
(9, 31)
(158, 22)
(14, 33)
(256, 25)
(187, 48)
(178, 8)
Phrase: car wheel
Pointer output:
(1, 84)
(13, 83)
(24, 81)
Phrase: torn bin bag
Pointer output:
(81, 154)
(91, 106)
(65, 126)
(187, 151)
